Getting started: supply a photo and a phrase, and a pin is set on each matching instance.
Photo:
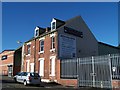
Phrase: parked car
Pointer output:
(28, 78)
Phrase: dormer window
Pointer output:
(53, 24)
(36, 32)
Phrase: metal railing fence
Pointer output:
(95, 71)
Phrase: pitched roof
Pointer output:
(59, 20)
(108, 45)
(19, 48)
(76, 17)
(7, 50)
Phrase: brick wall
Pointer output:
(16, 70)
(116, 83)
(4, 70)
(46, 55)
(4, 63)
(66, 82)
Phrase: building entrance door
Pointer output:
(10, 70)
(41, 70)
(52, 66)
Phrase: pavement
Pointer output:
(8, 83)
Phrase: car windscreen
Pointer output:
(34, 74)
(19, 74)
(24, 74)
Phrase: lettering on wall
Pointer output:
(73, 31)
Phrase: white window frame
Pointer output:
(28, 43)
(52, 58)
(42, 38)
(52, 48)
(42, 46)
(28, 54)
(35, 32)
(53, 21)
(41, 73)
(53, 34)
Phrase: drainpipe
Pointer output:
(34, 54)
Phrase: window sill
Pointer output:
(52, 50)
(27, 55)
(52, 75)
(41, 52)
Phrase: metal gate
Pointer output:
(95, 71)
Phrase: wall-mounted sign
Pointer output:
(4, 57)
(67, 47)
(73, 32)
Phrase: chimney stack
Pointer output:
(47, 29)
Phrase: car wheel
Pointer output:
(25, 83)
(38, 85)
(15, 80)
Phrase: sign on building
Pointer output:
(67, 46)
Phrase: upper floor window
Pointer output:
(4, 57)
(36, 32)
(53, 24)
(28, 49)
(52, 42)
(41, 45)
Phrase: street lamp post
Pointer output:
(19, 42)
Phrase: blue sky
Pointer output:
(20, 19)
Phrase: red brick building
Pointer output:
(10, 62)
(6, 62)
(65, 39)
